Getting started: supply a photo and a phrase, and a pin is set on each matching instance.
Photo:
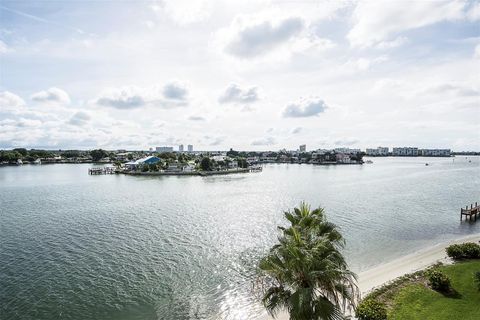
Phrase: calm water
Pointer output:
(74, 246)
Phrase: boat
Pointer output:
(37, 161)
(368, 161)
(19, 162)
(426, 164)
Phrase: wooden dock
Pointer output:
(470, 213)
(102, 170)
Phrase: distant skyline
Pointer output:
(247, 75)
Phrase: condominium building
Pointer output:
(380, 151)
(303, 148)
(435, 152)
(180, 148)
(405, 152)
(190, 148)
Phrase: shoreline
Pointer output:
(421, 259)
(384, 273)
(186, 173)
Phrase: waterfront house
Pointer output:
(134, 165)
(174, 167)
(233, 164)
(190, 167)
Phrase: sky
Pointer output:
(247, 75)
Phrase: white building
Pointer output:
(190, 148)
(347, 150)
(380, 151)
(190, 167)
(303, 148)
(435, 152)
(180, 148)
(405, 152)
(164, 149)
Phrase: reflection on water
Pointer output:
(75, 246)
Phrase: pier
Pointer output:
(101, 170)
(470, 213)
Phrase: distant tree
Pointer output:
(153, 167)
(98, 154)
(232, 153)
(206, 164)
(167, 155)
(242, 163)
(40, 154)
(10, 156)
(70, 154)
(22, 151)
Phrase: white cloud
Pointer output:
(175, 91)
(149, 24)
(196, 118)
(259, 37)
(267, 141)
(297, 130)
(305, 108)
(235, 94)
(171, 95)
(3, 47)
(376, 21)
(397, 42)
(10, 101)
(460, 90)
(363, 64)
(270, 36)
(53, 94)
(122, 98)
(28, 123)
(476, 53)
(474, 13)
(80, 118)
(184, 12)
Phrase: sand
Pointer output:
(376, 276)
(381, 274)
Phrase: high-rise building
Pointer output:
(164, 149)
(190, 148)
(303, 148)
(180, 148)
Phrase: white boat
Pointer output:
(368, 161)
(37, 161)
(19, 162)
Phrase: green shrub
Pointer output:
(455, 252)
(468, 250)
(471, 250)
(438, 280)
(477, 279)
(371, 310)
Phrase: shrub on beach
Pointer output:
(438, 281)
(471, 250)
(455, 251)
(371, 309)
(467, 250)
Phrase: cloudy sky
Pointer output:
(251, 75)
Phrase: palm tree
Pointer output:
(305, 273)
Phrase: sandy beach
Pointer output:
(377, 276)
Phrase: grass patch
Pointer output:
(415, 300)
